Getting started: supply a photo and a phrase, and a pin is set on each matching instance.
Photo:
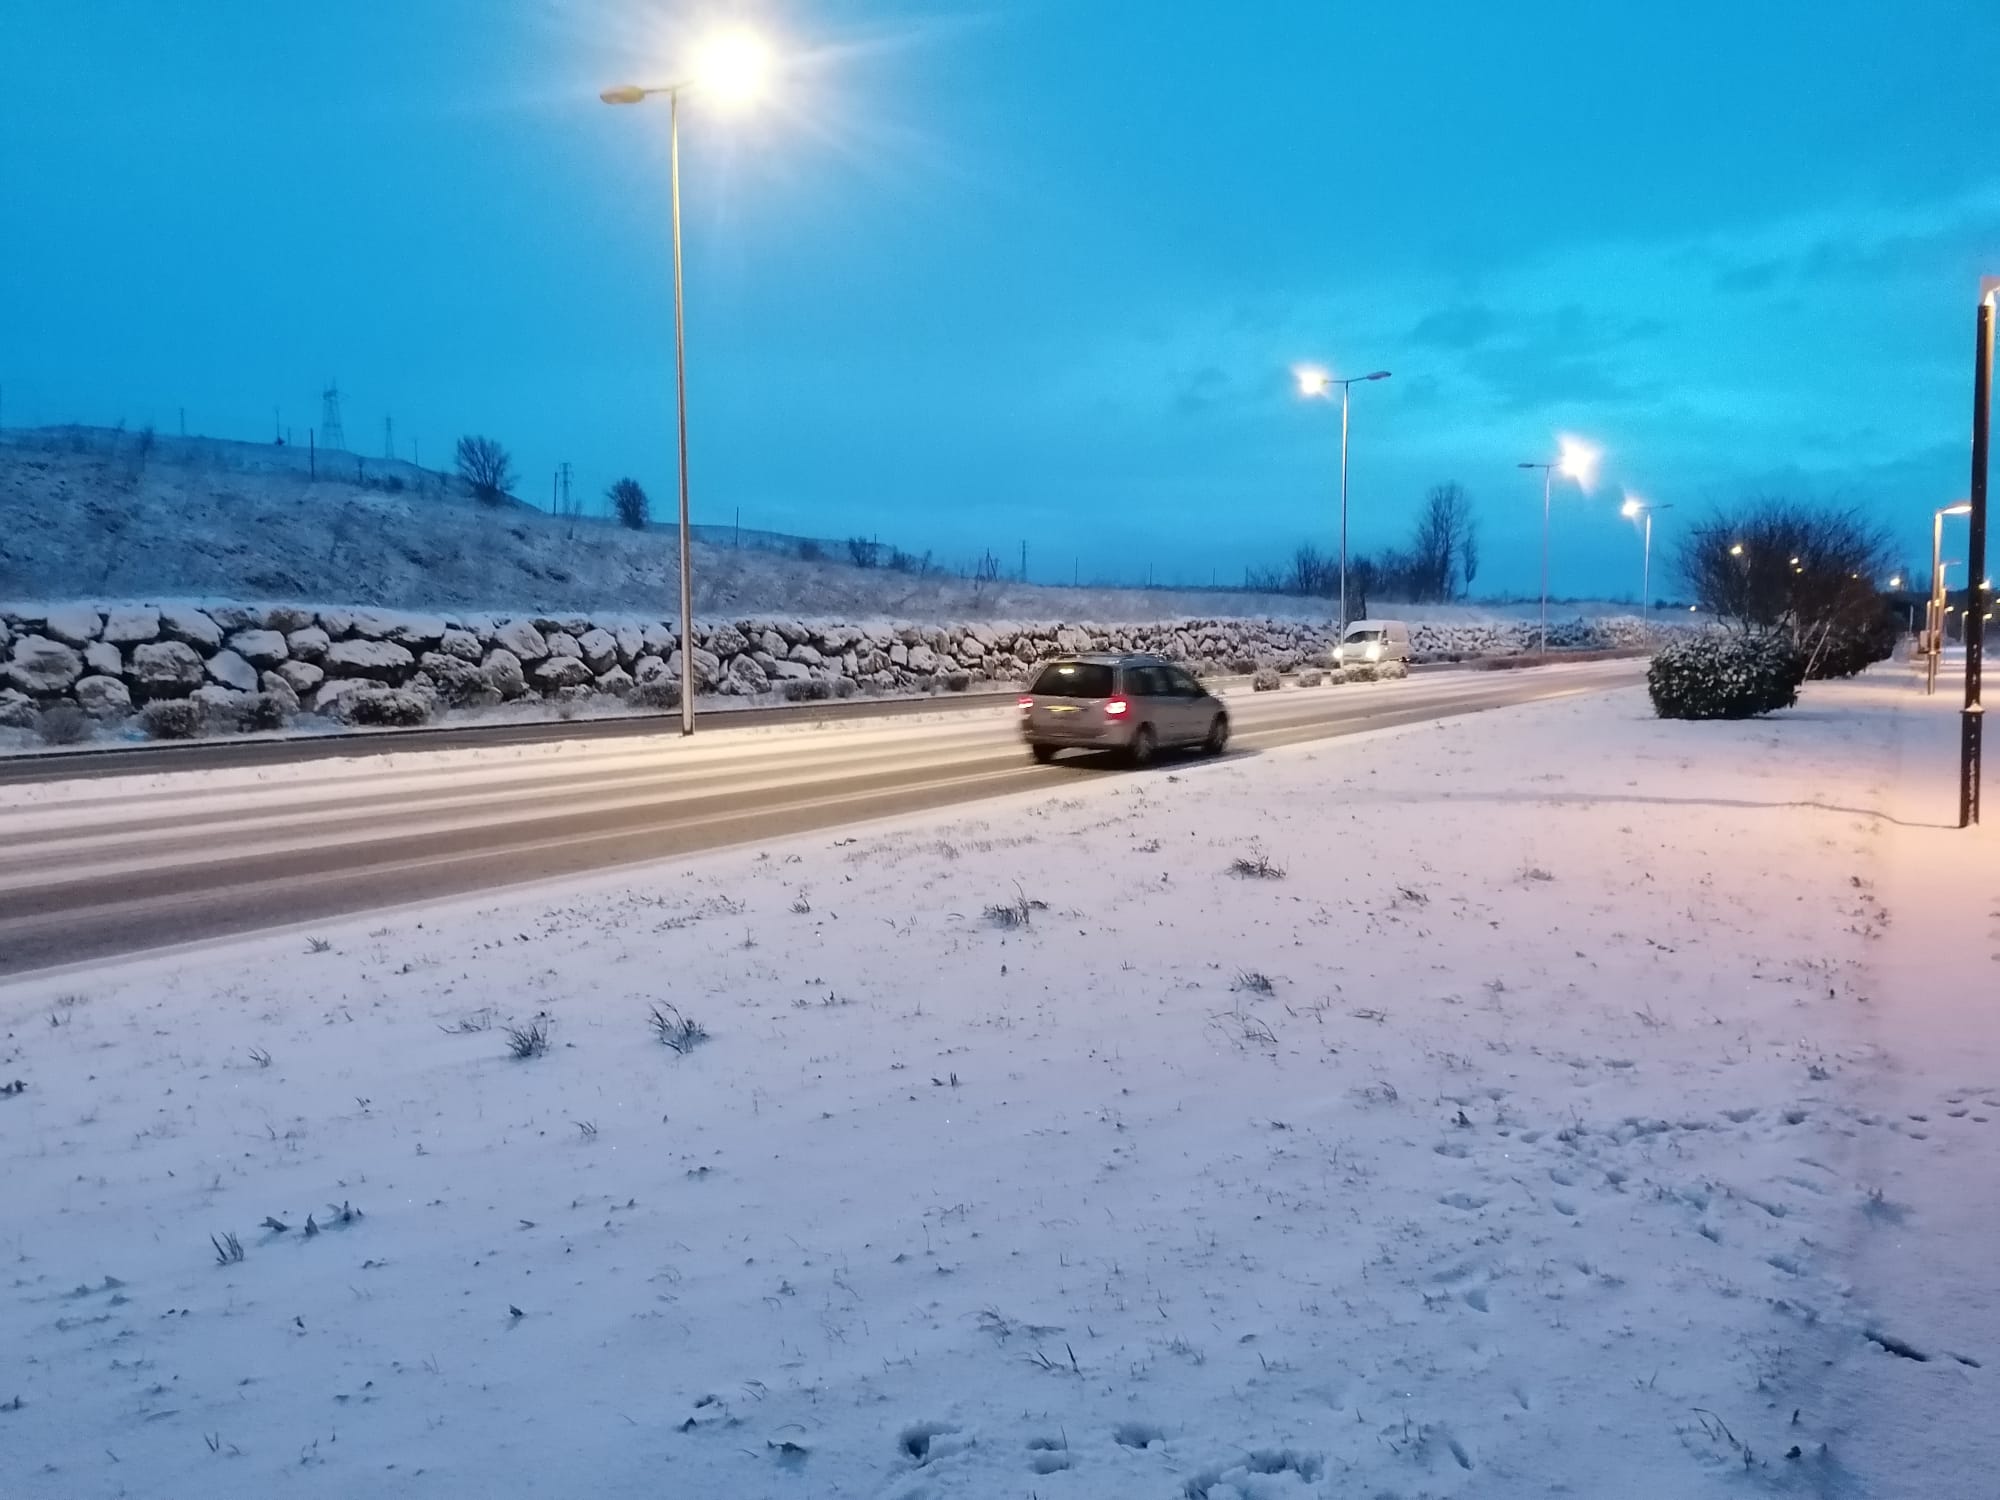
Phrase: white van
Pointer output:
(1373, 641)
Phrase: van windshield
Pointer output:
(1074, 679)
(1364, 635)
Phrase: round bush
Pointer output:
(1266, 680)
(1725, 677)
(1849, 652)
(171, 719)
(386, 708)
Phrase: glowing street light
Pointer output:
(1632, 510)
(1934, 612)
(1316, 383)
(1574, 460)
(733, 66)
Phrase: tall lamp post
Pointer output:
(1631, 510)
(1315, 382)
(1978, 589)
(1934, 609)
(1573, 460)
(733, 66)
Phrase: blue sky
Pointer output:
(1036, 269)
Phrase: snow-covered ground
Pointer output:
(192, 521)
(1594, 1106)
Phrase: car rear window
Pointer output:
(1074, 679)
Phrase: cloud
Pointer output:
(1461, 327)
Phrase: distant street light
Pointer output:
(1632, 509)
(1735, 549)
(1573, 460)
(734, 66)
(1934, 610)
(1316, 382)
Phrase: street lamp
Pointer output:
(1315, 382)
(1631, 510)
(732, 66)
(1573, 460)
(1972, 717)
(1934, 613)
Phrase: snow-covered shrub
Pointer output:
(266, 711)
(1241, 666)
(655, 693)
(385, 708)
(1392, 671)
(1309, 678)
(806, 689)
(1361, 671)
(171, 719)
(956, 682)
(62, 724)
(1266, 680)
(1725, 677)
(1847, 652)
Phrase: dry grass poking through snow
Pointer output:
(1416, 1173)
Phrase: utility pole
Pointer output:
(1024, 560)
(388, 437)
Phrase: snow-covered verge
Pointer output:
(1566, 1108)
(89, 513)
(233, 666)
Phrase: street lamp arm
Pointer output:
(634, 93)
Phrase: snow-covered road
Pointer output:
(97, 867)
(1576, 1104)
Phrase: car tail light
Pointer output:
(1117, 708)
(1026, 702)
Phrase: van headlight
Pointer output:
(1375, 651)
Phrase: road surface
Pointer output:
(92, 869)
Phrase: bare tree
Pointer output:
(486, 467)
(629, 503)
(1437, 545)
(1468, 555)
(1778, 565)
(862, 552)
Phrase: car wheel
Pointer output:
(1043, 753)
(1144, 743)
(1218, 736)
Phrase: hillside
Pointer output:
(92, 514)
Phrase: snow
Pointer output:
(200, 520)
(1615, 1107)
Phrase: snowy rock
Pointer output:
(104, 659)
(281, 691)
(806, 655)
(327, 696)
(522, 640)
(502, 670)
(562, 643)
(899, 655)
(403, 629)
(923, 659)
(384, 661)
(42, 667)
(728, 641)
(631, 644)
(104, 697)
(599, 649)
(747, 676)
(707, 669)
(165, 669)
(308, 642)
(646, 668)
(285, 618)
(232, 671)
(457, 682)
(189, 626)
(462, 644)
(302, 676)
(971, 648)
(337, 622)
(658, 640)
(616, 681)
(793, 632)
(222, 705)
(6, 634)
(562, 672)
(261, 648)
(231, 617)
(74, 624)
(17, 710)
(791, 671)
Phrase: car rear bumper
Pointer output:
(1083, 735)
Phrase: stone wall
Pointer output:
(244, 663)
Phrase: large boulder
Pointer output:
(103, 697)
(409, 630)
(261, 648)
(728, 641)
(646, 668)
(131, 624)
(923, 659)
(746, 677)
(42, 667)
(616, 681)
(18, 710)
(326, 698)
(233, 617)
(165, 669)
(599, 648)
(630, 641)
(807, 655)
(232, 671)
(308, 643)
(462, 644)
(74, 624)
(384, 661)
(521, 640)
(791, 671)
(189, 626)
(562, 643)
(280, 690)
(103, 659)
(457, 682)
(285, 618)
(658, 639)
(562, 672)
(707, 669)
(302, 676)
(502, 670)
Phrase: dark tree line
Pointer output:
(1440, 561)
